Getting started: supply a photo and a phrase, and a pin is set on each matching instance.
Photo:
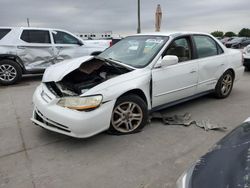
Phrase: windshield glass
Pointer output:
(136, 51)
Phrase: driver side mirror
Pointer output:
(167, 61)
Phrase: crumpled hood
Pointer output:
(56, 72)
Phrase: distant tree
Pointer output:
(230, 34)
(217, 33)
(245, 32)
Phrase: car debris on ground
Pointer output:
(186, 120)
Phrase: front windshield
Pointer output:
(136, 51)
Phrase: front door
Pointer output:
(67, 46)
(175, 82)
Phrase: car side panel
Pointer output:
(174, 82)
(210, 70)
(35, 56)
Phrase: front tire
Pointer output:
(225, 85)
(10, 72)
(129, 115)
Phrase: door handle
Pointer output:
(21, 47)
(193, 71)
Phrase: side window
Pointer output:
(206, 46)
(36, 36)
(180, 48)
(4, 32)
(64, 38)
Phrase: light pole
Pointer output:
(139, 17)
(28, 22)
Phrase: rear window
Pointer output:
(206, 46)
(36, 36)
(4, 32)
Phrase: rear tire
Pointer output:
(129, 116)
(224, 85)
(10, 72)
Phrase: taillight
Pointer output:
(110, 43)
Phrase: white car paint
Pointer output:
(246, 52)
(169, 84)
(38, 56)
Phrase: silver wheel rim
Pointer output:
(7, 72)
(126, 117)
(226, 85)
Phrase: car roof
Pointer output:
(34, 28)
(171, 33)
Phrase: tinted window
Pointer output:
(181, 49)
(64, 38)
(4, 32)
(205, 46)
(36, 36)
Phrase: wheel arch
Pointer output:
(13, 58)
(137, 92)
(231, 70)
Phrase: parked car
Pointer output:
(234, 42)
(117, 89)
(226, 39)
(226, 165)
(246, 55)
(31, 50)
(242, 44)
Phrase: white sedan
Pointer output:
(117, 89)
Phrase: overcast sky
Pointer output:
(120, 16)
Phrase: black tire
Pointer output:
(224, 85)
(247, 68)
(13, 74)
(126, 117)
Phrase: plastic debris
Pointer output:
(186, 120)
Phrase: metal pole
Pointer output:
(139, 17)
(28, 22)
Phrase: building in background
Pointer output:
(96, 35)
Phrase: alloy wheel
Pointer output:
(226, 85)
(127, 116)
(7, 72)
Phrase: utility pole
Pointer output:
(139, 17)
(28, 22)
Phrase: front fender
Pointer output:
(114, 88)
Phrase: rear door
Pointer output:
(35, 49)
(211, 60)
(67, 46)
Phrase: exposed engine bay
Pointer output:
(87, 76)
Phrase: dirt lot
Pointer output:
(33, 157)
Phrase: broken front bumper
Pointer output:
(49, 115)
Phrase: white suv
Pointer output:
(32, 50)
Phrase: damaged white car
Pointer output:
(31, 50)
(117, 89)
